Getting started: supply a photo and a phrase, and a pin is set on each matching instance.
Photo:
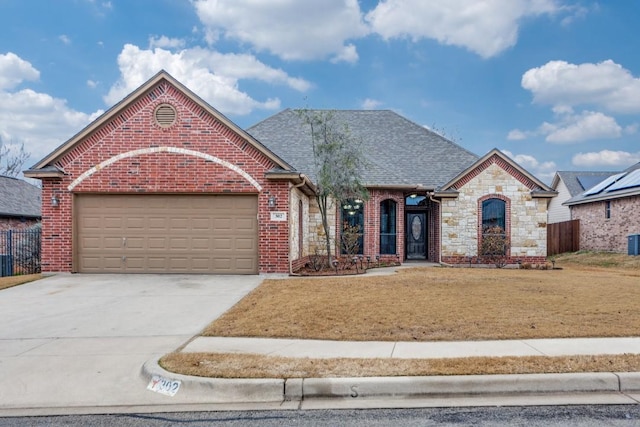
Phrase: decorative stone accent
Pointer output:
(461, 218)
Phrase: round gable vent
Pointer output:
(165, 115)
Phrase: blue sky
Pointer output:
(554, 83)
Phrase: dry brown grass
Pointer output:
(8, 282)
(593, 295)
(436, 304)
(255, 366)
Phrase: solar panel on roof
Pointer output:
(588, 181)
(604, 184)
(631, 180)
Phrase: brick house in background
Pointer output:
(608, 211)
(569, 184)
(164, 183)
(19, 204)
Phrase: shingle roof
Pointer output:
(574, 180)
(19, 198)
(398, 151)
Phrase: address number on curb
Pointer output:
(164, 385)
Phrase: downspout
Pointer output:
(304, 181)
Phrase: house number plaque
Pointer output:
(278, 216)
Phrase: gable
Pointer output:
(137, 113)
(497, 160)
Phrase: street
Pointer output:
(530, 416)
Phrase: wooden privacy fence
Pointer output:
(563, 237)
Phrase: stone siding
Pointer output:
(526, 220)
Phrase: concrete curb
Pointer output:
(217, 390)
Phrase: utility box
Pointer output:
(6, 265)
(634, 244)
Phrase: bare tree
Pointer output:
(338, 160)
(11, 161)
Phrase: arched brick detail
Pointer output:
(507, 215)
(152, 150)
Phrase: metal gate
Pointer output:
(20, 252)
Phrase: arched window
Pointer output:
(493, 214)
(388, 215)
(352, 233)
(494, 240)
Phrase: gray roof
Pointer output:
(574, 180)
(609, 191)
(397, 151)
(18, 198)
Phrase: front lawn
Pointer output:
(442, 304)
(594, 295)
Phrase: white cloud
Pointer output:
(483, 27)
(212, 75)
(92, 84)
(542, 170)
(606, 158)
(571, 128)
(14, 70)
(38, 120)
(578, 128)
(64, 39)
(166, 42)
(371, 104)
(605, 85)
(517, 135)
(290, 29)
(348, 54)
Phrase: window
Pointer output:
(388, 227)
(493, 214)
(352, 233)
(494, 225)
(607, 209)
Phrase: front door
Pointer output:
(416, 224)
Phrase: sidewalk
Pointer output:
(414, 350)
(461, 390)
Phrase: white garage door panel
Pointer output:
(167, 234)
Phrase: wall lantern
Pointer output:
(272, 201)
(54, 201)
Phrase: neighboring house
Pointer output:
(162, 182)
(19, 204)
(569, 184)
(608, 211)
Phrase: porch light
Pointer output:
(54, 201)
(272, 201)
(413, 196)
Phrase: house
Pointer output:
(164, 183)
(569, 184)
(19, 204)
(608, 211)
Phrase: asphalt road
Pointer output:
(530, 416)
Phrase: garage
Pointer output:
(166, 233)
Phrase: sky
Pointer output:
(555, 84)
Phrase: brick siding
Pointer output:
(598, 233)
(197, 155)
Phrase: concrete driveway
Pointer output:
(80, 340)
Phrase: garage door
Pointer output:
(166, 234)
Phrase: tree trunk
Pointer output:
(322, 205)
